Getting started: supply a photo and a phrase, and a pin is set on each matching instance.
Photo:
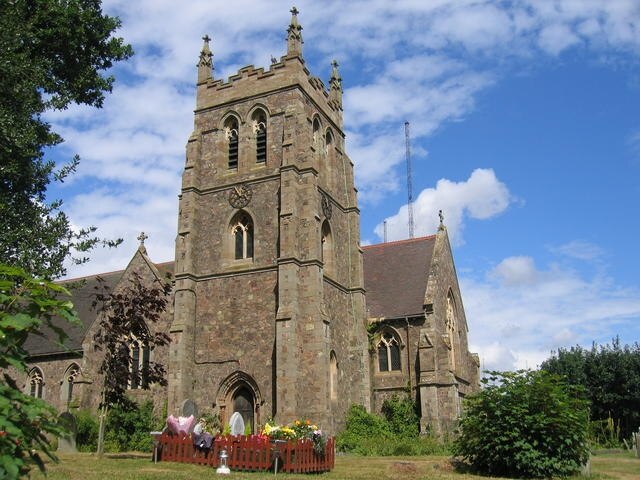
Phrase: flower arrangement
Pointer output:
(278, 432)
(298, 430)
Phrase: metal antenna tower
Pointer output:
(407, 140)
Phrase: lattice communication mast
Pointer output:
(407, 140)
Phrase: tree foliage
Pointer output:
(125, 314)
(610, 375)
(52, 53)
(26, 306)
(124, 317)
(524, 424)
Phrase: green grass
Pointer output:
(84, 466)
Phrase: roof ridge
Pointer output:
(396, 242)
(75, 279)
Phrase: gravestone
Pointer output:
(67, 443)
(237, 424)
(188, 408)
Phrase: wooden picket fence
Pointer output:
(250, 453)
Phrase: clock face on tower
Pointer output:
(240, 196)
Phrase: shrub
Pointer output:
(128, 427)
(394, 434)
(400, 413)
(524, 424)
(361, 426)
(87, 431)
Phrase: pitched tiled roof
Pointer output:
(395, 276)
(82, 290)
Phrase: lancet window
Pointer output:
(317, 134)
(328, 142)
(333, 376)
(260, 131)
(327, 248)
(231, 134)
(451, 327)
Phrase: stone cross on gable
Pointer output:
(142, 237)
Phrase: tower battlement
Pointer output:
(289, 72)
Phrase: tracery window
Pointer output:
(139, 364)
(231, 133)
(68, 381)
(260, 131)
(389, 353)
(35, 383)
(242, 233)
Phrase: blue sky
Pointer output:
(525, 132)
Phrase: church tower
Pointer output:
(269, 299)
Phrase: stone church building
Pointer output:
(277, 310)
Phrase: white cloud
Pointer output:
(518, 313)
(516, 271)
(556, 38)
(580, 250)
(481, 196)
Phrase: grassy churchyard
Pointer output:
(84, 466)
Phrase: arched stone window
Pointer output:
(231, 134)
(328, 142)
(259, 123)
(242, 236)
(389, 352)
(317, 134)
(333, 376)
(451, 329)
(35, 383)
(327, 249)
(139, 364)
(68, 382)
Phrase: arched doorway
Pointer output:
(244, 403)
(239, 392)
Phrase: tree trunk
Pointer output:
(103, 417)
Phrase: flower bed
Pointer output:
(252, 453)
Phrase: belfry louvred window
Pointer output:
(260, 130)
(231, 133)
